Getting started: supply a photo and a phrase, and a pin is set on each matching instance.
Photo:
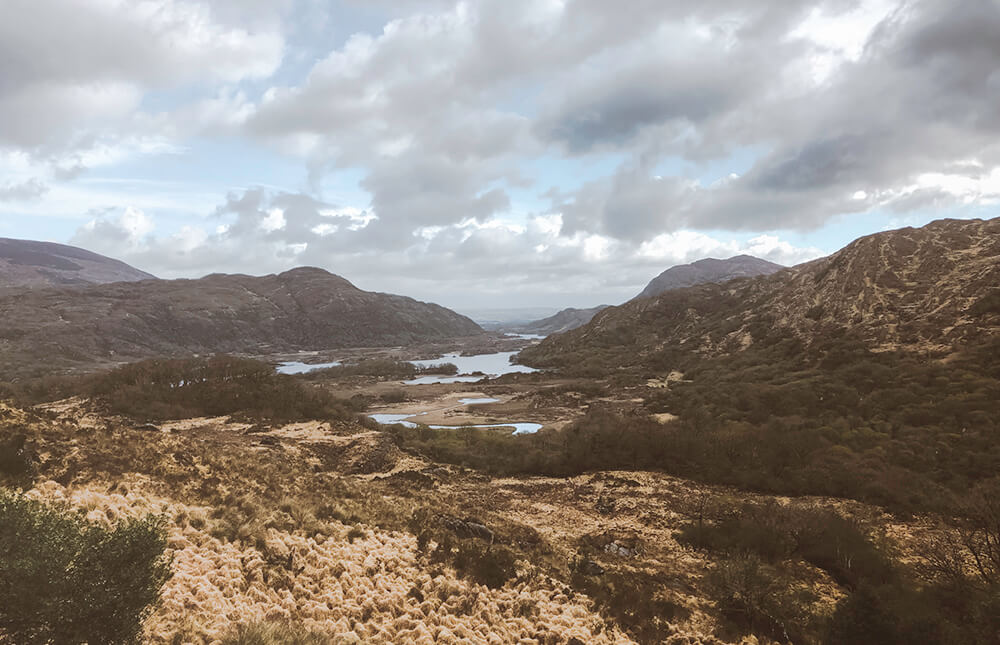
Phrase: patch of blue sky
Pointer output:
(221, 164)
(29, 226)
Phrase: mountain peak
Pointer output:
(708, 270)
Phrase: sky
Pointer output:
(501, 153)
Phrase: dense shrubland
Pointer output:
(905, 431)
(159, 389)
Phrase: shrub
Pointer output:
(14, 460)
(394, 396)
(177, 388)
(66, 580)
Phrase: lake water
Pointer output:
(390, 419)
(490, 364)
(294, 367)
(527, 336)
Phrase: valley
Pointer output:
(807, 456)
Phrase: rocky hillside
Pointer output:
(708, 270)
(926, 289)
(301, 309)
(26, 263)
(563, 321)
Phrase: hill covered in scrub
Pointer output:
(871, 374)
(301, 309)
(27, 263)
(930, 289)
(708, 270)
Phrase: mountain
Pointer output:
(562, 321)
(676, 277)
(708, 270)
(926, 289)
(301, 309)
(27, 263)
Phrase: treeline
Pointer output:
(159, 389)
(384, 368)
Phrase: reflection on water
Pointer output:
(489, 364)
(390, 419)
(295, 367)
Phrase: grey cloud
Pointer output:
(31, 189)
(73, 74)
(481, 264)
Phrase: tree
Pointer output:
(64, 579)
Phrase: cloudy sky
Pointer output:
(492, 153)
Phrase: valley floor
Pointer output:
(331, 527)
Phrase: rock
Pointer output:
(470, 528)
(148, 427)
(617, 548)
(590, 568)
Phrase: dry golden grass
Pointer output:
(317, 528)
(372, 590)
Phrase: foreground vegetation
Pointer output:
(160, 389)
(64, 579)
(777, 421)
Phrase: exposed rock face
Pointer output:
(708, 270)
(563, 321)
(26, 263)
(301, 309)
(930, 288)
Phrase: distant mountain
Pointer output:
(928, 290)
(708, 270)
(27, 263)
(562, 321)
(301, 309)
(676, 277)
(497, 318)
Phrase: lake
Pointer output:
(403, 419)
(489, 364)
(294, 367)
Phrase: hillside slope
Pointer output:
(708, 270)
(301, 309)
(564, 320)
(926, 289)
(27, 263)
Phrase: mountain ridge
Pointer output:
(301, 309)
(563, 320)
(31, 263)
(911, 289)
(708, 270)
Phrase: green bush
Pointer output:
(66, 580)
(160, 389)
